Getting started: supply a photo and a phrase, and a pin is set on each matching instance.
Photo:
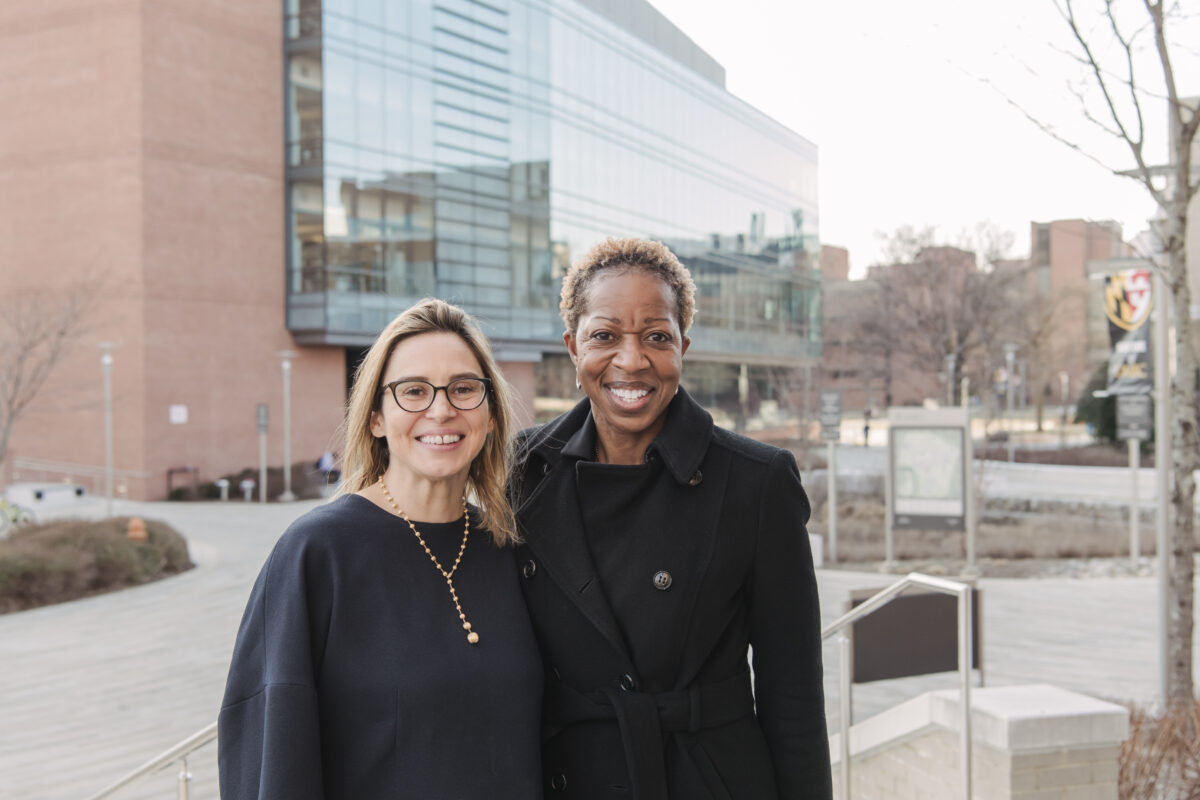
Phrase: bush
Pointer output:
(1099, 412)
(68, 559)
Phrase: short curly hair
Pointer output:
(627, 254)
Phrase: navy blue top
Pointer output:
(352, 676)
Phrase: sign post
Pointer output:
(831, 431)
(1128, 300)
(1133, 426)
(262, 452)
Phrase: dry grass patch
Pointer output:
(1161, 758)
(68, 559)
(1086, 533)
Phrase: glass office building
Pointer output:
(471, 150)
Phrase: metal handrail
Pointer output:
(965, 633)
(178, 753)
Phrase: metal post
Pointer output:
(1064, 381)
(106, 366)
(831, 474)
(262, 466)
(1162, 457)
(1023, 397)
(185, 778)
(950, 361)
(969, 492)
(287, 495)
(1010, 352)
(964, 669)
(1135, 463)
(844, 709)
(889, 561)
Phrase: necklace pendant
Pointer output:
(473, 637)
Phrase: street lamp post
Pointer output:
(286, 366)
(1010, 354)
(1064, 384)
(106, 366)
(951, 360)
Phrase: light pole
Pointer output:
(951, 360)
(1023, 397)
(1010, 354)
(287, 356)
(106, 366)
(1064, 385)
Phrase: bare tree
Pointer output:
(37, 328)
(1110, 55)
(935, 306)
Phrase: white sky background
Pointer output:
(894, 95)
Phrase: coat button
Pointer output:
(529, 570)
(696, 478)
(546, 469)
(662, 580)
(627, 683)
(558, 783)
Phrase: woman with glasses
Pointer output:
(386, 650)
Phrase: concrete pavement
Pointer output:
(93, 688)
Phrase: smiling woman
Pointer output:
(385, 646)
(658, 549)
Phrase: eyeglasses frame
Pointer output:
(390, 388)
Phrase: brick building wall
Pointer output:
(143, 154)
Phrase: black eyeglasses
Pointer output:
(464, 394)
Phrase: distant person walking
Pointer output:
(386, 650)
(866, 426)
(325, 467)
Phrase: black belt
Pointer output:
(642, 717)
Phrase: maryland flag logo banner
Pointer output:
(1127, 304)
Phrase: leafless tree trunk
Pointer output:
(37, 327)
(1123, 119)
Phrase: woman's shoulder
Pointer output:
(324, 527)
(751, 450)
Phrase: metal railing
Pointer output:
(175, 755)
(874, 603)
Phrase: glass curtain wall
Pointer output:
(471, 149)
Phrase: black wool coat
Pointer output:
(725, 565)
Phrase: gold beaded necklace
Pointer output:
(472, 636)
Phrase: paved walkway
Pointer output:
(91, 689)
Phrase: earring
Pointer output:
(578, 385)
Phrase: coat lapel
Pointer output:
(553, 529)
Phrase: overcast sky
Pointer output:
(905, 101)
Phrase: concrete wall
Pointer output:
(1028, 743)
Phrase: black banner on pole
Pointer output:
(1127, 304)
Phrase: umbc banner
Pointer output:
(1127, 304)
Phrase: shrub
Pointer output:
(68, 559)
(1098, 412)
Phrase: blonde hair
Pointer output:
(627, 254)
(365, 457)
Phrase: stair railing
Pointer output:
(965, 632)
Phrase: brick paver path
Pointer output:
(91, 689)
